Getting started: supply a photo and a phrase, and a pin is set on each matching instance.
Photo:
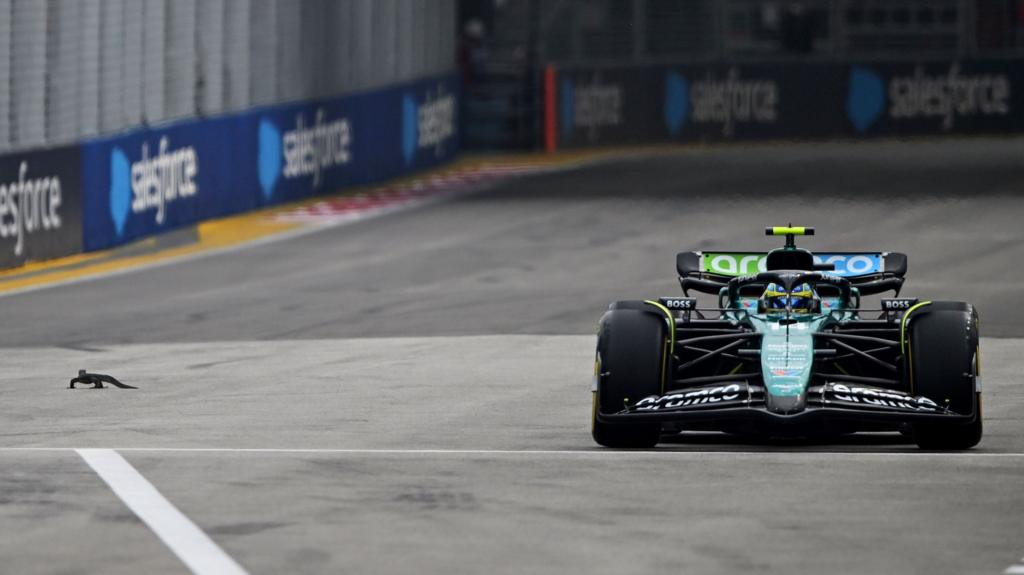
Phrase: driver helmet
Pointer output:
(800, 300)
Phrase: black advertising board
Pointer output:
(685, 103)
(40, 205)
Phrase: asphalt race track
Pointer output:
(410, 394)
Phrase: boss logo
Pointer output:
(898, 304)
(679, 303)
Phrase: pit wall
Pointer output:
(115, 189)
(586, 107)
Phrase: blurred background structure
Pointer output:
(120, 119)
(72, 69)
(522, 35)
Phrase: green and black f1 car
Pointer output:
(788, 351)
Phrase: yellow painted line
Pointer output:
(33, 267)
(211, 235)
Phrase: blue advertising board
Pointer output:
(40, 205)
(155, 179)
(748, 101)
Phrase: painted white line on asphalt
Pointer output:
(1017, 569)
(581, 452)
(195, 549)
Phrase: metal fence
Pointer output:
(71, 69)
(669, 30)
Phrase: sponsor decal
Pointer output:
(727, 101)
(788, 326)
(28, 206)
(427, 125)
(691, 398)
(945, 96)
(590, 107)
(898, 304)
(269, 157)
(948, 96)
(787, 372)
(733, 100)
(308, 151)
(876, 397)
(677, 102)
(865, 102)
(566, 106)
(786, 360)
(678, 303)
(304, 151)
(741, 264)
(152, 183)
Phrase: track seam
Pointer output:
(581, 452)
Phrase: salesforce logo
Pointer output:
(428, 125)
(151, 184)
(567, 106)
(948, 95)
(865, 102)
(677, 102)
(727, 101)
(268, 162)
(304, 151)
(945, 96)
(29, 206)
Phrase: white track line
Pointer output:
(195, 549)
(665, 452)
(1017, 569)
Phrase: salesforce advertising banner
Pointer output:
(321, 147)
(40, 205)
(156, 179)
(797, 100)
(935, 98)
(153, 180)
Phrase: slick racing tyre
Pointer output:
(944, 364)
(630, 347)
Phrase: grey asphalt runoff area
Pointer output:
(410, 394)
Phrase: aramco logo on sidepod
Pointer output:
(152, 183)
(428, 125)
(305, 151)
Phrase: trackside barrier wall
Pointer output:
(40, 205)
(154, 179)
(688, 103)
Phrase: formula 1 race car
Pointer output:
(788, 351)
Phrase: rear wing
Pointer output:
(869, 272)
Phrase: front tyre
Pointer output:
(631, 346)
(944, 364)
